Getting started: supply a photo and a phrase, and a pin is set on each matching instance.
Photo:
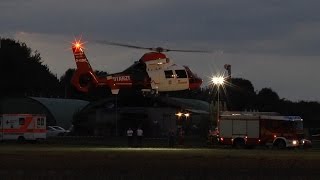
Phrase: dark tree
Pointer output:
(239, 95)
(69, 90)
(267, 100)
(22, 72)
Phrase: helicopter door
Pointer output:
(170, 80)
(181, 77)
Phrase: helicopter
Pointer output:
(153, 73)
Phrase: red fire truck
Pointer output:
(241, 129)
(22, 127)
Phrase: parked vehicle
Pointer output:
(251, 129)
(305, 143)
(316, 137)
(61, 129)
(53, 131)
(22, 127)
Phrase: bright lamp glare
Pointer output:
(218, 80)
(78, 45)
(179, 114)
(187, 114)
(294, 142)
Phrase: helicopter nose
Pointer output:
(195, 83)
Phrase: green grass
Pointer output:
(156, 153)
(155, 162)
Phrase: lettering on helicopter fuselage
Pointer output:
(121, 78)
(81, 60)
(79, 56)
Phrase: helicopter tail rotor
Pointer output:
(84, 77)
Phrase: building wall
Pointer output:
(155, 121)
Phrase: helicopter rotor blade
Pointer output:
(180, 50)
(122, 45)
(157, 49)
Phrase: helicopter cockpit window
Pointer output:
(181, 74)
(168, 74)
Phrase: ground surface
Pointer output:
(43, 161)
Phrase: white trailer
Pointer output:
(250, 129)
(22, 127)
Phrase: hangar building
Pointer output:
(156, 116)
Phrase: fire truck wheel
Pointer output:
(21, 139)
(239, 143)
(280, 144)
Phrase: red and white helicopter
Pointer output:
(153, 73)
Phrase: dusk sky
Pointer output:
(272, 43)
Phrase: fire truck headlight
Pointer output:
(294, 142)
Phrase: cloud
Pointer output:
(266, 41)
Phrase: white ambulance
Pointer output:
(22, 127)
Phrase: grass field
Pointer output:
(32, 161)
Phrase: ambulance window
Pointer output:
(181, 74)
(38, 122)
(21, 121)
(42, 121)
(168, 74)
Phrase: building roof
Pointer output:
(191, 104)
(62, 109)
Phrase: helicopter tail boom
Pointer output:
(84, 77)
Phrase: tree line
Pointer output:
(22, 73)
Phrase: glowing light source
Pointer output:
(78, 44)
(179, 114)
(217, 80)
(294, 142)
